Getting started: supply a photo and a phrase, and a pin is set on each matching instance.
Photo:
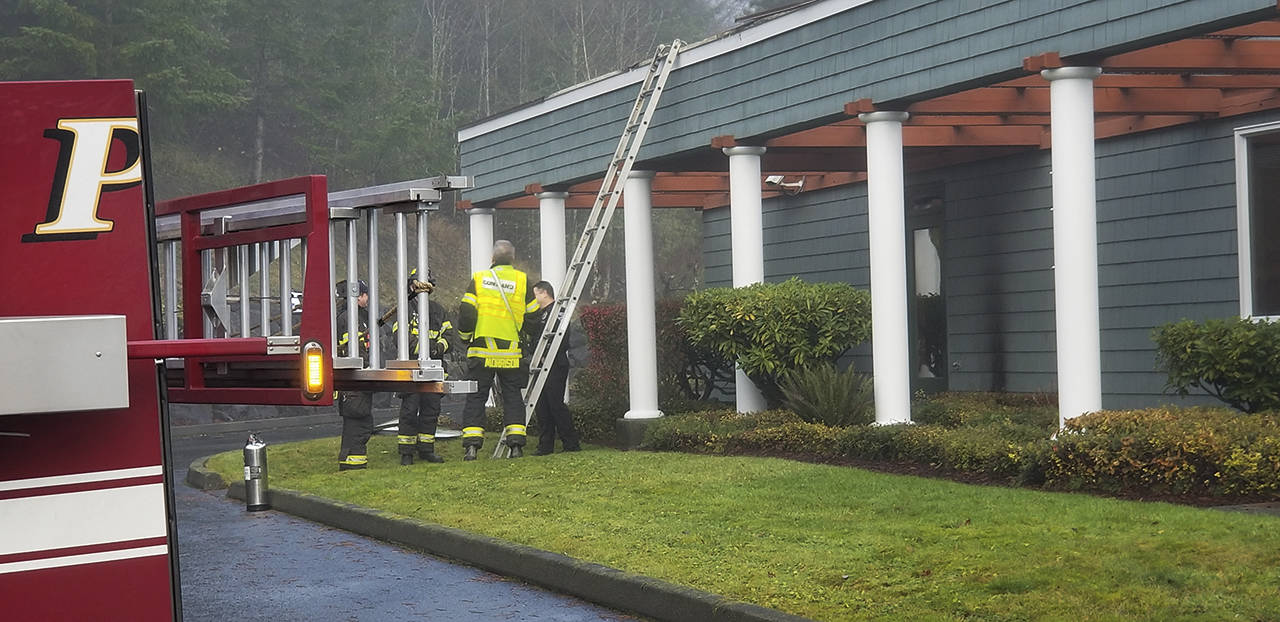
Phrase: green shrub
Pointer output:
(770, 328)
(1234, 360)
(875, 442)
(1168, 450)
(1180, 451)
(594, 425)
(994, 449)
(795, 437)
(990, 449)
(687, 372)
(1039, 410)
(824, 394)
(707, 430)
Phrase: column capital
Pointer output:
(642, 174)
(743, 150)
(1066, 73)
(884, 115)
(552, 195)
(480, 211)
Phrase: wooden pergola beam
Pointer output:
(972, 120)
(932, 135)
(1119, 126)
(1250, 101)
(826, 136)
(669, 182)
(1266, 28)
(684, 190)
(689, 200)
(1161, 80)
(1200, 56)
(991, 100)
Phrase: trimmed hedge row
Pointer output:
(1208, 451)
(994, 449)
(1176, 451)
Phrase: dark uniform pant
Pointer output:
(553, 415)
(510, 383)
(419, 415)
(356, 408)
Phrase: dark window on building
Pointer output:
(928, 307)
(1264, 223)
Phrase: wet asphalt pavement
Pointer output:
(237, 565)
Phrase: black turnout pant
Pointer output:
(419, 415)
(356, 408)
(510, 383)
(553, 415)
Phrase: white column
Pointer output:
(482, 250)
(551, 223)
(746, 235)
(481, 237)
(890, 341)
(642, 334)
(1075, 241)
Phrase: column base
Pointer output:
(906, 421)
(630, 432)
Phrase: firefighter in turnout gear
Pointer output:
(491, 318)
(355, 407)
(420, 412)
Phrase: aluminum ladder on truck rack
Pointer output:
(597, 224)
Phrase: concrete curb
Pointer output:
(607, 586)
(201, 478)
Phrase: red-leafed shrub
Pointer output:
(600, 390)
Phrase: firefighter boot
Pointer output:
(353, 463)
(517, 451)
(429, 454)
(470, 453)
(406, 459)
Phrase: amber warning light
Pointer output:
(312, 370)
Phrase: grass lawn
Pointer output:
(830, 543)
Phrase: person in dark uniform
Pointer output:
(355, 407)
(420, 412)
(491, 318)
(553, 415)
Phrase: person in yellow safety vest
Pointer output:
(355, 407)
(420, 412)
(491, 318)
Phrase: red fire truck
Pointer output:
(92, 350)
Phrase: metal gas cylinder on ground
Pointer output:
(255, 474)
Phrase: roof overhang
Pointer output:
(1221, 74)
(691, 55)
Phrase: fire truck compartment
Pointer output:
(63, 363)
